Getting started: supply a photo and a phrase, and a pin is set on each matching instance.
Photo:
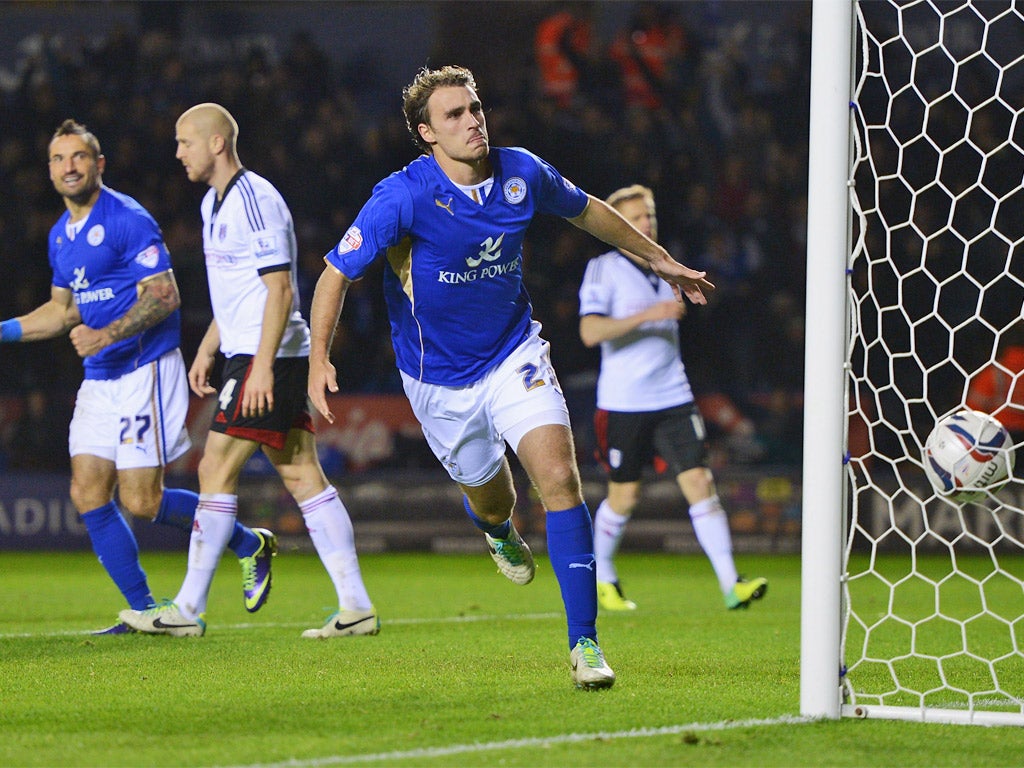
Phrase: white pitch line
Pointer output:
(294, 625)
(568, 738)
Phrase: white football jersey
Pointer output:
(642, 370)
(246, 234)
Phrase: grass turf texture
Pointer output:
(468, 670)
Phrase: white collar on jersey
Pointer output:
(477, 192)
(72, 228)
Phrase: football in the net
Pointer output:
(968, 455)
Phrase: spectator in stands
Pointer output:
(998, 388)
(646, 408)
(32, 435)
(570, 60)
(114, 292)
(650, 52)
(267, 74)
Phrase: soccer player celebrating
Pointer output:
(251, 262)
(476, 371)
(114, 290)
(645, 406)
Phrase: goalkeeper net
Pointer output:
(932, 597)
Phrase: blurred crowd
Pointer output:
(709, 111)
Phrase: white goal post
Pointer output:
(912, 604)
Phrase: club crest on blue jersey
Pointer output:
(96, 235)
(351, 241)
(149, 257)
(515, 190)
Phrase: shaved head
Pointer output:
(212, 119)
(207, 138)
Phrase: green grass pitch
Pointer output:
(469, 670)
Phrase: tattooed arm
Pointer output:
(158, 297)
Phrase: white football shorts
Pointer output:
(137, 420)
(467, 427)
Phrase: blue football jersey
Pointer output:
(119, 245)
(454, 287)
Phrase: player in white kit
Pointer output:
(114, 290)
(250, 248)
(645, 407)
(477, 373)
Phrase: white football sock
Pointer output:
(211, 531)
(609, 526)
(330, 528)
(711, 527)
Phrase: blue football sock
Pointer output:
(570, 535)
(499, 531)
(118, 552)
(178, 510)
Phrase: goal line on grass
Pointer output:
(567, 738)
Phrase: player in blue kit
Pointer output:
(114, 291)
(473, 364)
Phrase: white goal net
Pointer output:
(932, 592)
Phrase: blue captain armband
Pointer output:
(10, 330)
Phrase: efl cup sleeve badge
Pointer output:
(569, 185)
(96, 235)
(515, 190)
(351, 241)
(148, 258)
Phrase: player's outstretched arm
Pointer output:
(158, 298)
(607, 224)
(328, 299)
(54, 318)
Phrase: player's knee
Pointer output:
(144, 504)
(624, 501)
(697, 484)
(216, 475)
(302, 481)
(564, 477)
(86, 497)
(559, 487)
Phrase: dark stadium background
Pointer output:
(316, 89)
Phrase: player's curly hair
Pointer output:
(416, 94)
(73, 128)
